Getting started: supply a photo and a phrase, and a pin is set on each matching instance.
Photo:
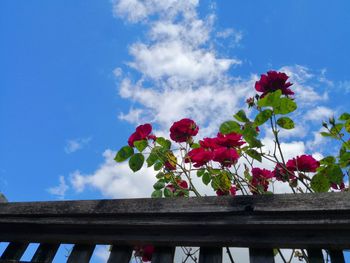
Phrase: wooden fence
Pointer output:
(305, 221)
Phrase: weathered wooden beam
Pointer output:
(315, 256)
(284, 221)
(261, 255)
(45, 253)
(81, 254)
(14, 251)
(120, 254)
(163, 255)
(210, 255)
(337, 256)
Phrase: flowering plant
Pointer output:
(228, 162)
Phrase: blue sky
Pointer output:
(78, 76)
(59, 86)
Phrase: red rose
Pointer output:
(168, 165)
(304, 163)
(272, 82)
(250, 102)
(260, 178)
(209, 143)
(147, 252)
(338, 187)
(229, 140)
(282, 173)
(181, 185)
(183, 130)
(143, 132)
(199, 156)
(232, 191)
(225, 156)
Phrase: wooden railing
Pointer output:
(305, 221)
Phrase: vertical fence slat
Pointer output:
(14, 251)
(315, 255)
(337, 256)
(120, 254)
(163, 255)
(45, 253)
(210, 255)
(81, 254)
(261, 255)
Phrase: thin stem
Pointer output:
(229, 254)
(281, 255)
(275, 132)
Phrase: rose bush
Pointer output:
(228, 162)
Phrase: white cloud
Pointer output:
(320, 113)
(304, 85)
(60, 190)
(76, 144)
(176, 60)
(182, 74)
(344, 86)
(101, 254)
(115, 180)
(233, 36)
(139, 10)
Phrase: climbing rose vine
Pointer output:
(228, 161)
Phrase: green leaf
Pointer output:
(284, 106)
(336, 129)
(160, 175)
(200, 172)
(344, 159)
(320, 183)
(334, 173)
(159, 185)
(157, 194)
(230, 126)
(151, 159)
(206, 178)
(326, 134)
(347, 125)
(346, 145)
(124, 153)
(249, 130)
(254, 143)
(168, 192)
(262, 117)
(163, 142)
(195, 145)
(241, 116)
(286, 123)
(254, 154)
(158, 165)
(344, 117)
(270, 99)
(328, 160)
(141, 145)
(136, 162)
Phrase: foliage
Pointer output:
(228, 162)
